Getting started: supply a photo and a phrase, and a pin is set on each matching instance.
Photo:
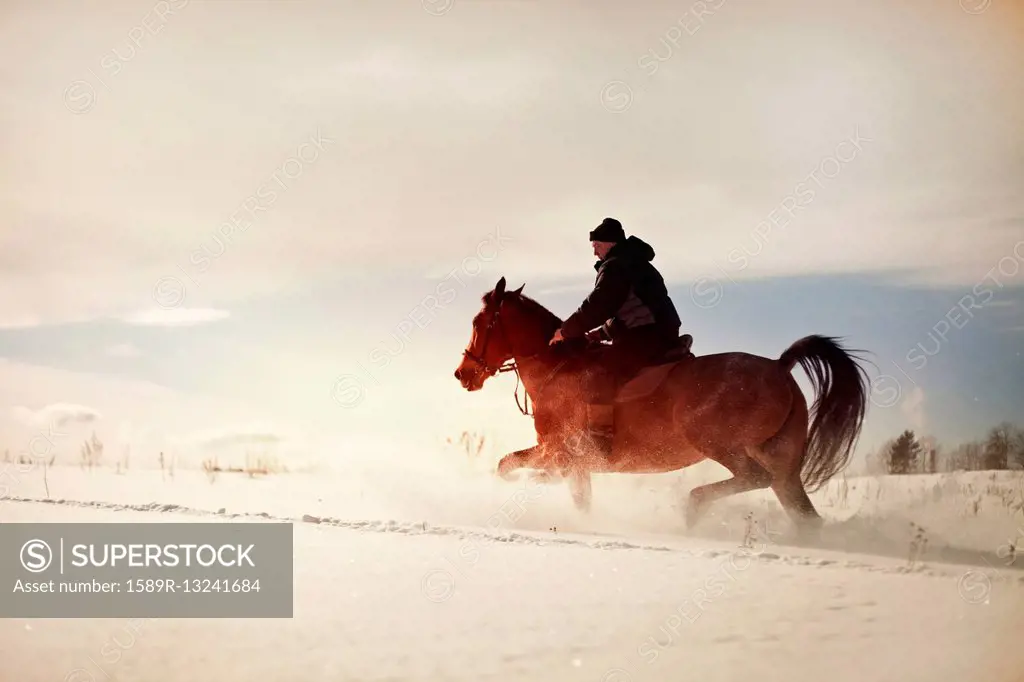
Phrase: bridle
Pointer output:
(509, 365)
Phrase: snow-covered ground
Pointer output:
(446, 573)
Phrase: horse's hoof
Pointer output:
(505, 472)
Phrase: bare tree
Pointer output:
(996, 454)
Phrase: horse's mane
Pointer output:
(529, 304)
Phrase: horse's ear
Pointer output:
(499, 289)
(520, 289)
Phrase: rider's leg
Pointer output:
(610, 367)
(600, 385)
(601, 408)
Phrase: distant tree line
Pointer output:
(1002, 448)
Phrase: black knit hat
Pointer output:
(610, 230)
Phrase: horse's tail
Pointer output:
(841, 394)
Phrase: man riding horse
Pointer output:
(630, 307)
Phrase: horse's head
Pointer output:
(489, 345)
(509, 326)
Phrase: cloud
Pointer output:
(175, 317)
(456, 128)
(913, 409)
(57, 415)
(123, 350)
(120, 409)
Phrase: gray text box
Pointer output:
(146, 570)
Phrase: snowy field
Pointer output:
(445, 573)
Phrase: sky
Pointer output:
(272, 221)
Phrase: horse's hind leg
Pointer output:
(797, 504)
(783, 456)
(747, 475)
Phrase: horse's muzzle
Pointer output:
(469, 378)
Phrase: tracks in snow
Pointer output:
(511, 537)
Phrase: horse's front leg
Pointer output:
(520, 459)
(536, 457)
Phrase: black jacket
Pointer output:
(629, 293)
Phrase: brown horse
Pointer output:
(743, 411)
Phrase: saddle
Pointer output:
(649, 378)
